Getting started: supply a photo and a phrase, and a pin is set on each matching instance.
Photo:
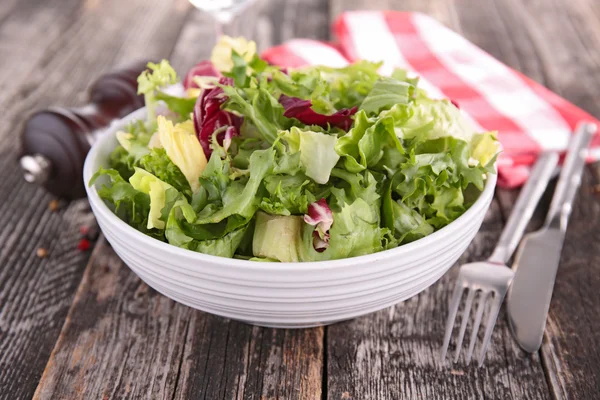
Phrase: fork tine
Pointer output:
(454, 303)
(491, 322)
(480, 308)
(463, 324)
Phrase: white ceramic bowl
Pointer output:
(290, 295)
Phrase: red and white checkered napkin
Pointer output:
(528, 117)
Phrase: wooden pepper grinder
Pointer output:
(55, 142)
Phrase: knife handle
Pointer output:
(524, 207)
(570, 177)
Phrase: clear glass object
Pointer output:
(222, 11)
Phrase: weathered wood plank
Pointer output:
(51, 51)
(27, 30)
(394, 353)
(231, 360)
(192, 354)
(122, 339)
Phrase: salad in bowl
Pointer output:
(258, 162)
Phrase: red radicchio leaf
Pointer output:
(203, 68)
(320, 215)
(208, 117)
(302, 111)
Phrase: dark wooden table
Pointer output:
(75, 325)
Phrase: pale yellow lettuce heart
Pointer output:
(183, 148)
(145, 182)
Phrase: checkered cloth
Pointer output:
(528, 117)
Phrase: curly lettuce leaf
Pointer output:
(223, 243)
(158, 163)
(386, 93)
(367, 142)
(129, 204)
(238, 198)
(287, 194)
(432, 119)
(133, 146)
(356, 226)
(222, 247)
(151, 80)
(405, 223)
(259, 108)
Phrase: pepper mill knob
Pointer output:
(55, 142)
(36, 168)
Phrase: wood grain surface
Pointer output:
(98, 332)
(124, 340)
(51, 50)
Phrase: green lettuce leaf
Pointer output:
(136, 136)
(287, 194)
(433, 119)
(260, 109)
(386, 93)
(328, 89)
(121, 161)
(401, 74)
(277, 237)
(356, 226)
(147, 183)
(151, 80)
(240, 198)
(224, 245)
(183, 106)
(347, 145)
(406, 224)
(370, 140)
(317, 152)
(130, 205)
(158, 163)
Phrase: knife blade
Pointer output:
(538, 257)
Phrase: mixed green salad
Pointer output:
(272, 164)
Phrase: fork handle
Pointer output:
(524, 207)
(570, 177)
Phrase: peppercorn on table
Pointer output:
(75, 322)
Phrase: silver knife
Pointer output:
(537, 259)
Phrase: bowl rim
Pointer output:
(101, 211)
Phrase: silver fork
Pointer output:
(492, 277)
